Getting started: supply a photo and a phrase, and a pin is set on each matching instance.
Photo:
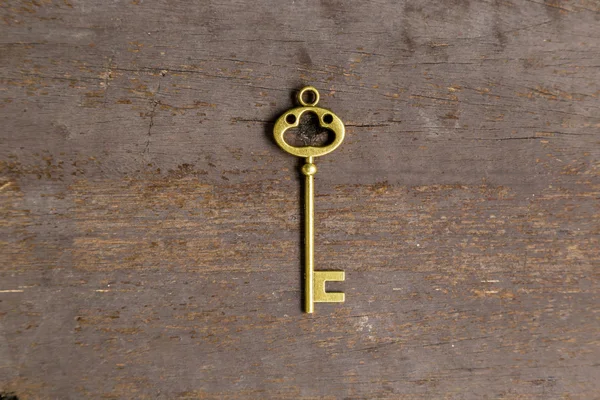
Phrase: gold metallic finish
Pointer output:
(320, 295)
(310, 168)
(309, 234)
(283, 124)
(314, 281)
(305, 90)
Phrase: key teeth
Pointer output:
(321, 296)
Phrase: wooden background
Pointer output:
(150, 230)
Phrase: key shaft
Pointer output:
(309, 170)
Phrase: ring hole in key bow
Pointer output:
(309, 131)
(308, 96)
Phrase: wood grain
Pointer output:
(150, 231)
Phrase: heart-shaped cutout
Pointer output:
(309, 132)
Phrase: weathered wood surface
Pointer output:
(150, 226)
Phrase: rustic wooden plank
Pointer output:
(150, 243)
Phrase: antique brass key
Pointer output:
(314, 281)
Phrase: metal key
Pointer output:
(314, 281)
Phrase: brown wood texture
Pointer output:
(150, 231)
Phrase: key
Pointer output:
(314, 281)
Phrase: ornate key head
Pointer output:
(291, 119)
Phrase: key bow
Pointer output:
(291, 119)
